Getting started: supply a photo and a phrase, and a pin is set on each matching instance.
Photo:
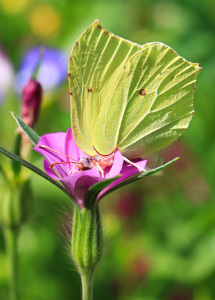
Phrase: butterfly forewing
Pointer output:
(96, 61)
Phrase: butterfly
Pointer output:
(127, 97)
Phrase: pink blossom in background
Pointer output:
(129, 204)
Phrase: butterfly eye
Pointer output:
(142, 92)
(89, 90)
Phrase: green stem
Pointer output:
(87, 286)
(11, 237)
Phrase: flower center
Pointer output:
(87, 163)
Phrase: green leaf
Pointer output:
(34, 169)
(93, 192)
(33, 136)
(138, 176)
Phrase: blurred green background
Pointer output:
(160, 232)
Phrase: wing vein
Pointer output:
(122, 63)
(133, 142)
(152, 104)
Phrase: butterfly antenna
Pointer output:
(133, 164)
(48, 148)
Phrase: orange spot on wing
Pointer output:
(142, 92)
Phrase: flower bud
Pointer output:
(31, 101)
(86, 238)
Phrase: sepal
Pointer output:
(32, 135)
(138, 176)
(91, 195)
(87, 239)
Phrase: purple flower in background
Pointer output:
(76, 170)
(6, 75)
(52, 71)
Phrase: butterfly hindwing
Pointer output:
(151, 104)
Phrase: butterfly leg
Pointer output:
(133, 164)
(100, 169)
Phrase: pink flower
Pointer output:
(77, 171)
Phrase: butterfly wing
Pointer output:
(94, 66)
(149, 105)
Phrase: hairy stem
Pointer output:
(87, 286)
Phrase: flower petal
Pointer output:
(140, 163)
(126, 172)
(79, 183)
(49, 171)
(117, 165)
(70, 147)
(56, 142)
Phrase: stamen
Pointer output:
(45, 147)
(133, 164)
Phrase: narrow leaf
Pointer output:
(33, 136)
(37, 68)
(139, 175)
(34, 169)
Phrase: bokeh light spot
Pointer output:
(11, 7)
(45, 20)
